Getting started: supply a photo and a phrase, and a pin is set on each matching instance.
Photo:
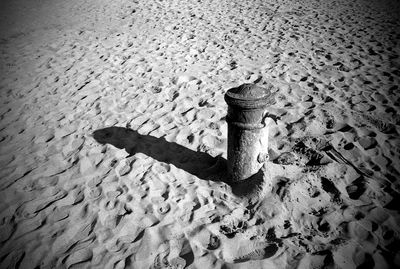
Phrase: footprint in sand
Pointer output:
(258, 254)
(329, 187)
(357, 188)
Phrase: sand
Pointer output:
(113, 134)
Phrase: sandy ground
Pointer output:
(113, 135)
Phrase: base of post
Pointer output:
(253, 188)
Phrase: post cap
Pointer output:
(249, 96)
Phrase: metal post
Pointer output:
(247, 131)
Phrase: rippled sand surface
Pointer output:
(113, 135)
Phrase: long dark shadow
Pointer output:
(199, 164)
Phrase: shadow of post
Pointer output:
(199, 164)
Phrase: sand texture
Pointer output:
(113, 135)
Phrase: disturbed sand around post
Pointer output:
(113, 135)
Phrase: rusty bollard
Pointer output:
(247, 131)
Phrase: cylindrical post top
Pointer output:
(246, 105)
(249, 96)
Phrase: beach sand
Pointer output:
(113, 135)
